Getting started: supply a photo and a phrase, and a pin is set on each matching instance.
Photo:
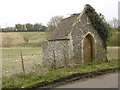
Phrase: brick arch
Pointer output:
(88, 48)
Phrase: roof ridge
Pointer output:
(73, 15)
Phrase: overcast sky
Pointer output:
(40, 11)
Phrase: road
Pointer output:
(104, 81)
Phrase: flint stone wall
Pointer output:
(59, 48)
(82, 28)
(73, 49)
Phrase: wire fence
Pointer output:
(13, 63)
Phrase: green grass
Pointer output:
(11, 60)
(114, 39)
(31, 79)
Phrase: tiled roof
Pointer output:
(63, 29)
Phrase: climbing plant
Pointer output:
(98, 23)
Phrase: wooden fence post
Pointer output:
(54, 61)
(65, 58)
(22, 62)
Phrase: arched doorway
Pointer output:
(88, 48)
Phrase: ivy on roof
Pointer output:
(98, 23)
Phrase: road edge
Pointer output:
(73, 77)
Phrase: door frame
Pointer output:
(93, 46)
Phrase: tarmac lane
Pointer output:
(104, 81)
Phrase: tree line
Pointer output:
(51, 25)
(25, 28)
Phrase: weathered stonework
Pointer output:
(68, 42)
(59, 48)
(80, 30)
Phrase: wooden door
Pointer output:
(87, 49)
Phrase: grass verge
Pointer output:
(34, 79)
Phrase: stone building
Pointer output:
(75, 40)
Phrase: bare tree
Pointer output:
(54, 22)
(114, 22)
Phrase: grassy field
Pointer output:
(114, 39)
(35, 39)
(14, 43)
(40, 74)
(112, 52)
(18, 39)
(11, 60)
(11, 63)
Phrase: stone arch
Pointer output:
(88, 48)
